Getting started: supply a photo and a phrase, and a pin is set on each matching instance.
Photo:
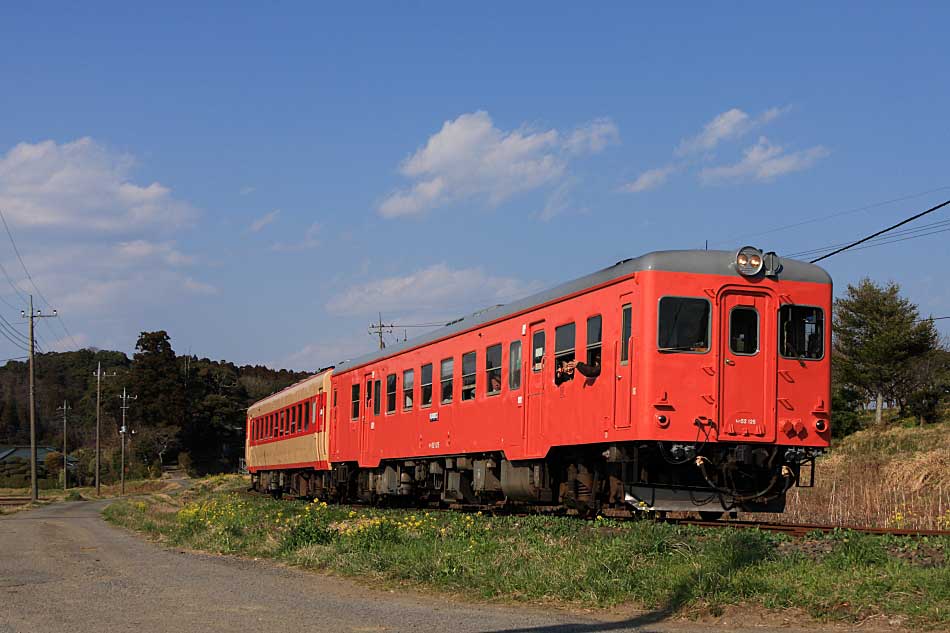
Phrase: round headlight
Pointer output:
(749, 261)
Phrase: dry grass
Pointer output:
(889, 477)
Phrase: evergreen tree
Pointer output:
(160, 408)
(877, 334)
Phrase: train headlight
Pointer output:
(749, 261)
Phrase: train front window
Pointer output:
(744, 331)
(801, 332)
(683, 325)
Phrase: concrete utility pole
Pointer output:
(125, 406)
(99, 376)
(65, 408)
(34, 314)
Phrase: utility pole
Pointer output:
(379, 328)
(99, 376)
(34, 314)
(125, 406)
(65, 408)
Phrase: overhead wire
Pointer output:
(59, 318)
(882, 232)
(919, 231)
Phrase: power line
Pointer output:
(920, 231)
(881, 232)
(822, 218)
(26, 271)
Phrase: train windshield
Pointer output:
(802, 332)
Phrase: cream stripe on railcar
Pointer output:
(304, 449)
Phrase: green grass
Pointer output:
(672, 569)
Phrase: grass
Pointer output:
(888, 476)
(554, 560)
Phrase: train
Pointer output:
(677, 381)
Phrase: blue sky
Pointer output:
(261, 178)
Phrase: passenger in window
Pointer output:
(494, 382)
(590, 369)
(564, 371)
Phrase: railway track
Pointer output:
(14, 501)
(796, 530)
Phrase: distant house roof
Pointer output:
(23, 452)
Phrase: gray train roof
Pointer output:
(700, 262)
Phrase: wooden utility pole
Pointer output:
(125, 406)
(34, 314)
(65, 408)
(99, 376)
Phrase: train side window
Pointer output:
(626, 319)
(537, 351)
(683, 325)
(744, 331)
(306, 416)
(469, 373)
(377, 396)
(292, 416)
(408, 382)
(283, 422)
(594, 340)
(564, 341)
(391, 393)
(355, 401)
(426, 385)
(514, 365)
(493, 370)
(446, 370)
(801, 332)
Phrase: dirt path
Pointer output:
(62, 568)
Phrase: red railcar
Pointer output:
(679, 380)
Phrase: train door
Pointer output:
(623, 364)
(368, 417)
(534, 394)
(747, 372)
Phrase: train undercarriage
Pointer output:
(636, 476)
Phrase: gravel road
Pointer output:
(62, 568)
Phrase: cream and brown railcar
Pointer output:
(289, 435)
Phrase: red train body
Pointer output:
(669, 382)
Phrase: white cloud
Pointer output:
(83, 185)
(310, 240)
(470, 157)
(143, 250)
(198, 287)
(649, 179)
(429, 290)
(729, 125)
(593, 137)
(246, 190)
(764, 162)
(263, 221)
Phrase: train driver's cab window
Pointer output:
(564, 340)
(537, 351)
(469, 373)
(408, 382)
(744, 331)
(425, 387)
(493, 370)
(514, 365)
(446, 370)
(355, 401)
(683, 325)
(391, 393)
(801, 332)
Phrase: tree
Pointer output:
(160, 408)
(877, 335)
